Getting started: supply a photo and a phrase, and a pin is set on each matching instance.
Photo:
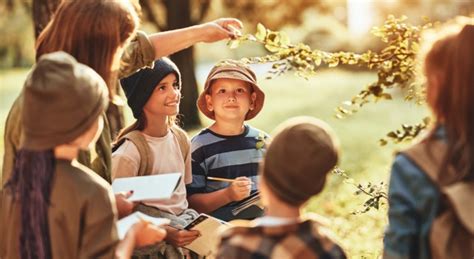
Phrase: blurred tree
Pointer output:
(43, 10)
(276, 13)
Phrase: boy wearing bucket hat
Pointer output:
(54, 206)
(296, 163)
(229, 149)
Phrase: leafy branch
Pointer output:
(406, 133)
(396, 64)
(376, 192)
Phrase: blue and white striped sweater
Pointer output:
(226, 157)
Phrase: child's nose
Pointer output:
(175, 93)
(231, 97)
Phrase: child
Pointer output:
(56, 207)
(154, 144)
(431, 179)
(294, 169)
(228, 148)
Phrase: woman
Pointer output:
(102, 34)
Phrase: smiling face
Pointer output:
(230, 99)
(164, 100)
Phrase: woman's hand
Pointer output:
(220, 29)
(180, 237)
(239, 189)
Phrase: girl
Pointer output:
(444, 158)
(154, 96)
(54, 206)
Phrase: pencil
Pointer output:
(221, 179)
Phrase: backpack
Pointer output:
(146, 155)
(452, 231)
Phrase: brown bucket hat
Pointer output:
(232, 69)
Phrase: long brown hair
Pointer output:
(91, 31)
(451, 61)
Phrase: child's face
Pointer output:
(230, 99)
(165, 98)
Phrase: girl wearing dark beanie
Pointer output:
(54, 206)
(154, 95)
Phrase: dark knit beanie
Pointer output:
(139, 87)
(298, 159)
(62, 99)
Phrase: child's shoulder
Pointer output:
(179, 132)
(257, 133)
(203, 137)
(75, 176)
(127, 150)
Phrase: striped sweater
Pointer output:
(225, 156)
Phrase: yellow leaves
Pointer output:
(395, 64)
(233, 44)
(261, 32)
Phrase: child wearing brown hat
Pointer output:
(154, 144)
(296, 163)
(54, 206)
(225, 155)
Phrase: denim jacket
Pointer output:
(413, 200)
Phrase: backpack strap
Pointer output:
(146, 155)
(183, 140)
(428, 155)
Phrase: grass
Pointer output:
(362, 157)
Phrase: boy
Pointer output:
(294, 169)
(229, 149)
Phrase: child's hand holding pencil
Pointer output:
(239, 188)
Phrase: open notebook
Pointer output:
(148, 188)
(208, 227)
(126, 223)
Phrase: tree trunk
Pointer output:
(43, 11)
(179, 16)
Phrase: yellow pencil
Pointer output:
(221, 179)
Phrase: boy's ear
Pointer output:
(253, 98)
(209, 102)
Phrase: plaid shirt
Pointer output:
(307, 239)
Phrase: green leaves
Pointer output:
(376, 193)
(406, 133)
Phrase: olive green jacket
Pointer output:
(140, 53)
(81, 217)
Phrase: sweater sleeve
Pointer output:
(138, 54)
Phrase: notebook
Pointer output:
(208, 226)
(126, 223)
(148, 188)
